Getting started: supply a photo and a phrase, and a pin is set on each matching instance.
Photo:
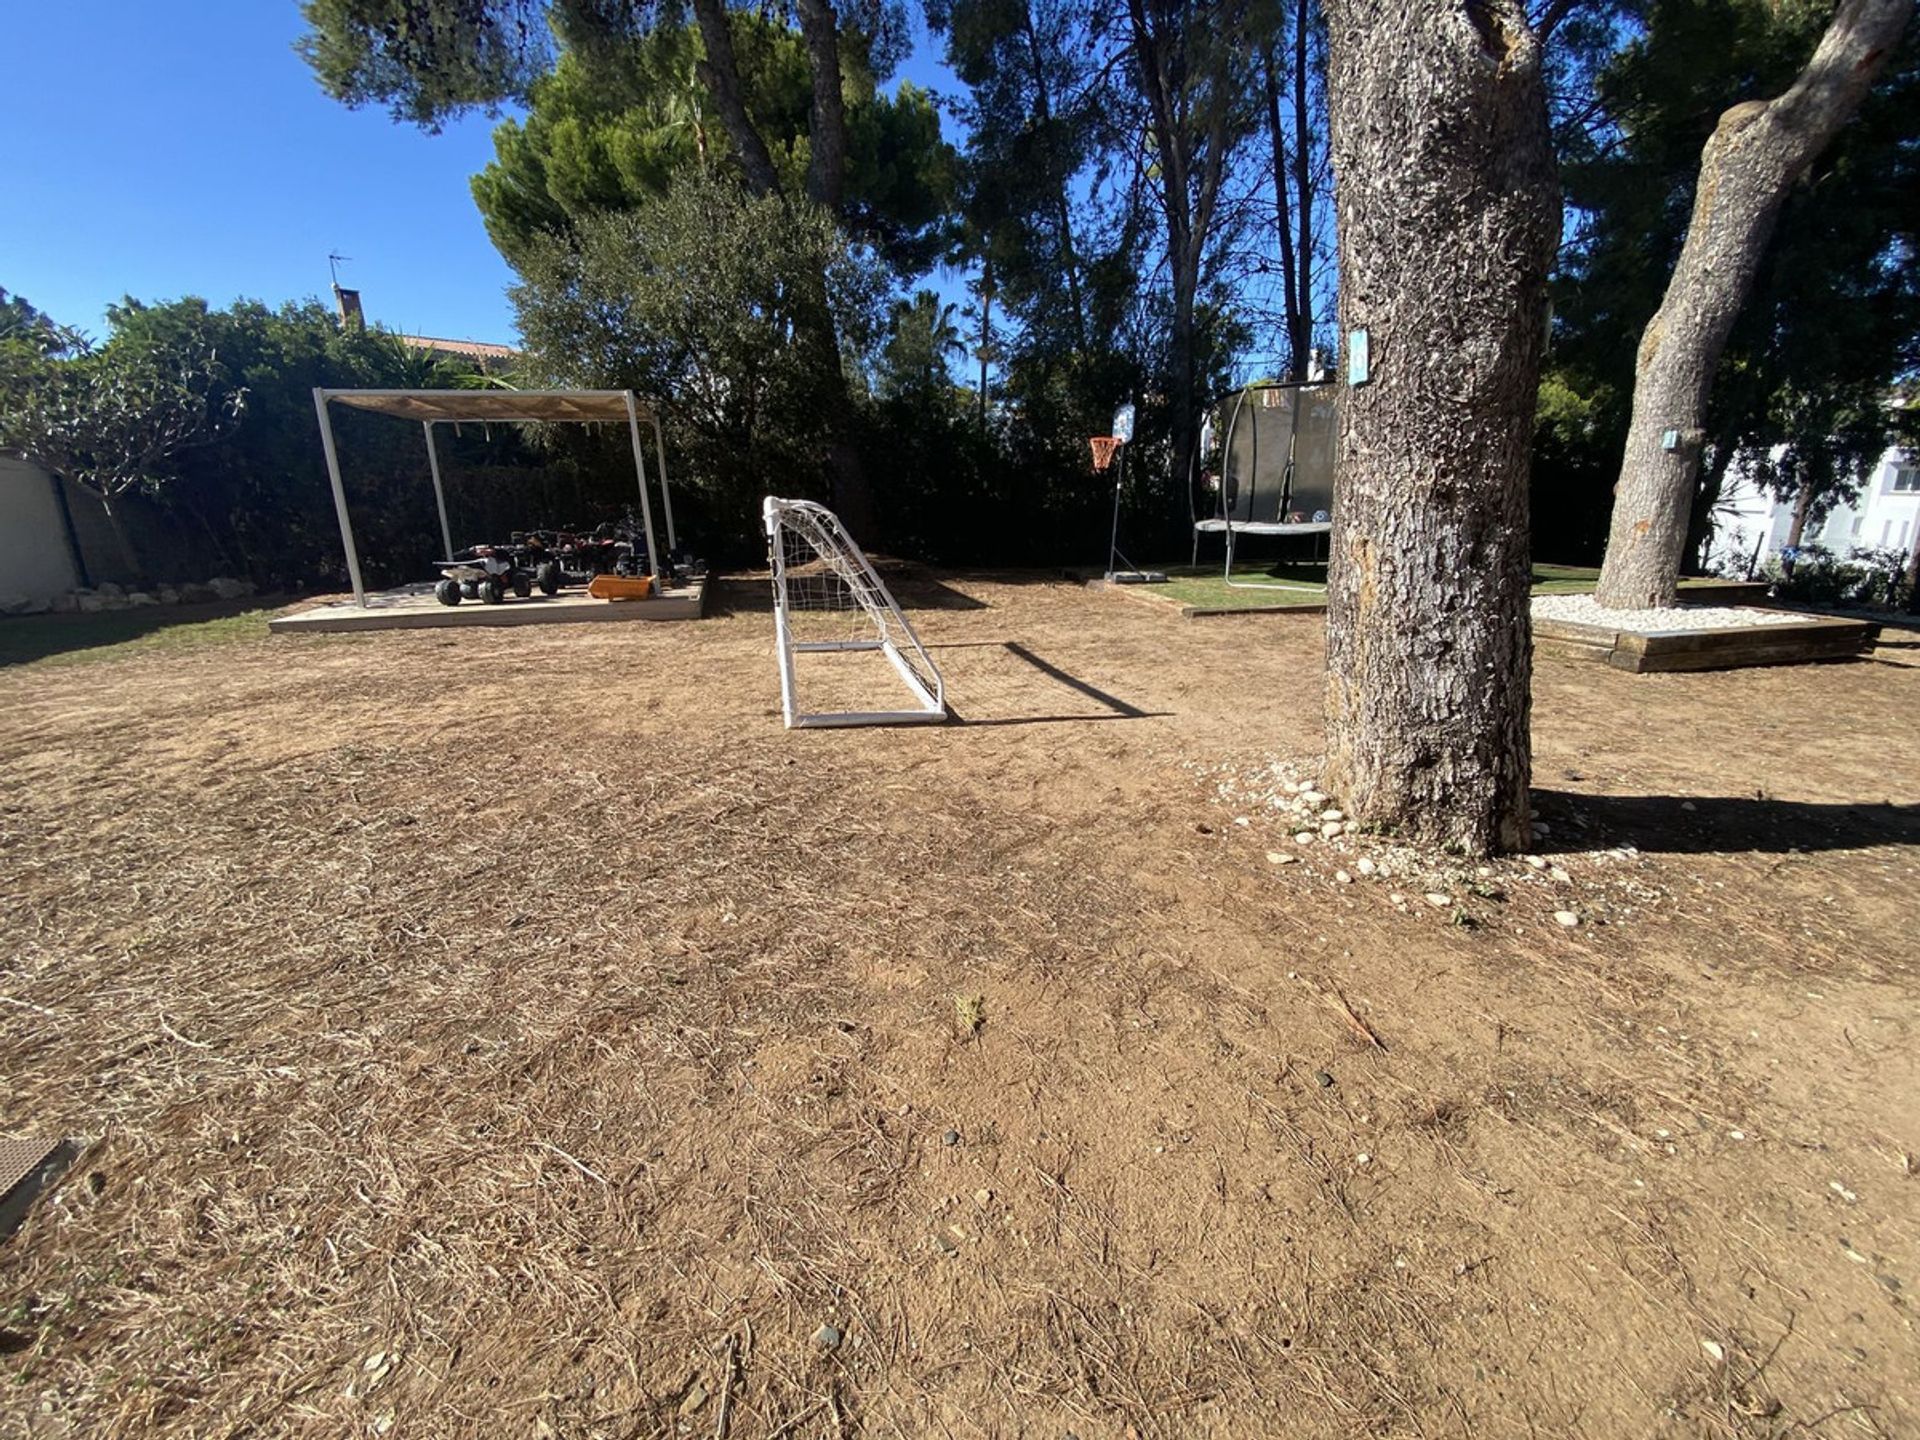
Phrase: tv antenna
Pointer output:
(334, 257)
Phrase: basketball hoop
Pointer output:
(1104, 447)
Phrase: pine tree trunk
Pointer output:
(1303, 189)
(1756, 153)
(1448, 219)
(1802, 504)
(827, 116)
(720, 73)
(1283, 215)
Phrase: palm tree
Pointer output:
(924, 336)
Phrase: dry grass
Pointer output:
(520, 1034)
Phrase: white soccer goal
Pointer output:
(830, 606)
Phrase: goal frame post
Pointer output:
(874, 598)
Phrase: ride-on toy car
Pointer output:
(487, 572)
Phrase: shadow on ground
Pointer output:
(1707, 824)
(25, 639)
(1032, 703)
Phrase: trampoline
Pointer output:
(1275, 473)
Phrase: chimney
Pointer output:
(348, 303)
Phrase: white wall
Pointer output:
(35, 557)
(1878, 518)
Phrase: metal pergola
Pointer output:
(449, 407)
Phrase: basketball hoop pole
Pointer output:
(1113, 540)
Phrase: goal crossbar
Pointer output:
(827, 599)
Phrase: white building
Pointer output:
(1885, 515)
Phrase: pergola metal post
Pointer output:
(339, 497)
(666, 491)
(646, 505)
(439, 491)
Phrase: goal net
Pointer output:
(845, 648)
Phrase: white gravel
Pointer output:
(1585, 610)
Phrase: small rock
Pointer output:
(983, 1198)
(1326, 1080)
(1333, 815)
(1363, 1158)
(1736, 1134)
(904, 1111)
(1365, 866)
(827, 1337)
(1715, 1350)
(1438, 900)
(108, 590)
(1688, 805)
(1561, 875)
(1313, 798)
(1243, 820)
(945, 1244)
(1276, 857)
(1342, 877)
(1537, 862)
(227, 588)
(1541, 827)
(695, 1398)
(141, 597)
(952, 1137)
(1305, 837)
(1331, 829)
(1566, 918)
(1842, 1191)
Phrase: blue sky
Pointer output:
(183, 149)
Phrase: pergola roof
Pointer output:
(477, 405)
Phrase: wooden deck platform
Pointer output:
(1794, 641)
(412, 607)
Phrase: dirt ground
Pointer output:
(518, 1033)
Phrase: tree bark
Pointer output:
(1449, 212)
(852, 495)
(827, 119)
(1755, 154)
(1187, 201)
(1802, 504)
(721, 74)
(986, 330)
(1283, 215)
(1062, 210)
(1302, 200)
